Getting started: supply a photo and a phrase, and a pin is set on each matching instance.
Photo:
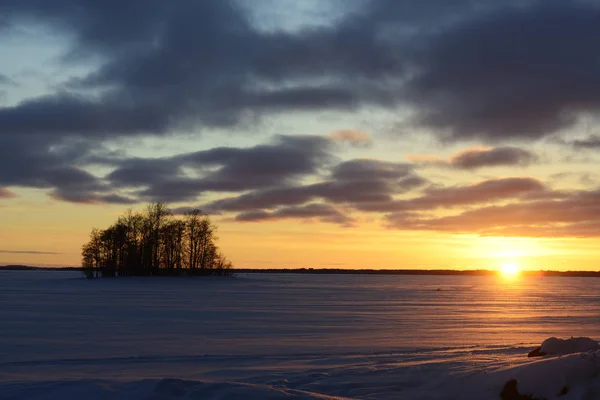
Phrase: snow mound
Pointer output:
(571, 377)
(555, 347)
(571, 371)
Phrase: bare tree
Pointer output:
(172, 234)
(92, 254)
(157, 214)
(155, 242)
(193, 220)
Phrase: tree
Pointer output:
(172, 234)
(193, 219)
(155, 243)
(92, 254)
(157, 214)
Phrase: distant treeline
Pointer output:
(154, 242)
(480, 272)
(30, 268)
(334, 271)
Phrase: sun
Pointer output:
(510, 269)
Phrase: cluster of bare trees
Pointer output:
(154, 242)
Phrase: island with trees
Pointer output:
(155, 243)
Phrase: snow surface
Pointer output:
(294, 336)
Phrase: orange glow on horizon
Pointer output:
(510, 270)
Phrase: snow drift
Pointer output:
(570, 370)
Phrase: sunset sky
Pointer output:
(329, 133)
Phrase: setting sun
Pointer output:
(509, 269)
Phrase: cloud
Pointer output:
(60, 168)
(577, 215)
(372, 186)
(322, 212)
(52, 166)
(591, 142)
(499, 156)
(349, 182)
(352, 137)
(511, 72)
(157, 75)
(144, 171)
(487, 191)
(367, 169)
(480, 157)
(357, 195)
(70, 115)
(28, 252)
(564, 214)
(5, 80)
(484, 191)
(460, 66)
(480, 71)
(283, 161)
(84, 197)
(6, 194)
(585, 178)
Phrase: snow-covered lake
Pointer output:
(269, 336)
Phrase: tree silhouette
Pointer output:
(155, 243)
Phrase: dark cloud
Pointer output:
(475, 158)
(321, 212)
(499, 156)
(261, 199)
(474, 69)
(471, 70)
(72, 115)
(59, 167)
(5, 80)
(513, 72)
(157, 74)
(354, 181)
(35, 162)
(576, 215)
(367, 169)
(27, 252)
(432, 15)
(270, 203)
(144, 171)
(336, 192)
(85, 197)
(487, 191)
(225, 169)
(195, 63)
(283, 161)
(184, 209)
(591, 142)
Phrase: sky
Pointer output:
(325, 134)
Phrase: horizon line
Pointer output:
(372, 271)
